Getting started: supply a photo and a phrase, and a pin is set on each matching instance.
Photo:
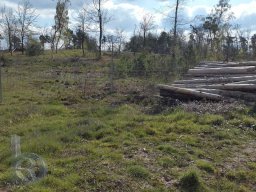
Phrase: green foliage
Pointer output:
(34, 48)
(139, 65)
(147, 65)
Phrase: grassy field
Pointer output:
(94, 139)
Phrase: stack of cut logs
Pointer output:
(215, 81)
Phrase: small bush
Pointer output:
(34, 48)
(3, 61)
(190, 182)
(139, 66)
(253, 110)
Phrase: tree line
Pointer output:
(213, 36)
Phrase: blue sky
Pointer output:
(128, 13)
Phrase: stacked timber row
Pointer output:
(215, 81)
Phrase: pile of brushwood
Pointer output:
(215, 81)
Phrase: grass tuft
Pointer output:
(138, 171)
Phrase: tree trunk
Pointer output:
(216, 80)
(175, 29)
(229, 64)
(22, 44)
(101, 28)
(233, 94)
(190, 93)
(223, 70)
(10, 44)
(144, 39)
(83, 47)
(1, 93)
(246, 82)
(58, 40)
(235, 87)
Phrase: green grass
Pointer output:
(138, 172)
(204, 165)
(94, 140)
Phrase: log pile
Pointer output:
(215, 81)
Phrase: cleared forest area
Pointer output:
(93, 138)
(102, 96)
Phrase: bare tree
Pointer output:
(146, 25)
(8, 23)
(99, 17)
(176, 20)
(1, 38)
(83, 24)
(119, 33)
(175, 25)
(26, 16)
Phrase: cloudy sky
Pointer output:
(128, 13)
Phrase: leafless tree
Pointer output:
(26, 17)
(99, 17)
(176, 19)
(146, 25)
(119, 33)
(8, 23)
(83, 24)
(175, 22)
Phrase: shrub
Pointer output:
(190, 182)
(34, 48)
(139, 66)
(3, 61)
(253, 110)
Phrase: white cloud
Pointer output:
(244, 9)
(136, 11)
(46, 13)
(127, 13)
(8, 4)
(193, 11)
